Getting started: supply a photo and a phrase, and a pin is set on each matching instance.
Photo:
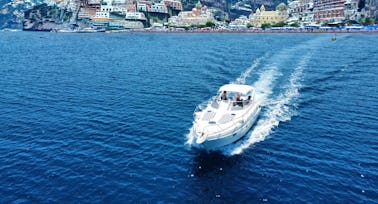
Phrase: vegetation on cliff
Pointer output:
(12, 12)
(46, 18)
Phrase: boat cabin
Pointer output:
(236, 95)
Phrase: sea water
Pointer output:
(106, 118)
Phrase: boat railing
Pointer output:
(213, 101)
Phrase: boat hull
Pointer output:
(229, 138)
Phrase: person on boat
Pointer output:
(224, 96)
(246, 102)
(238, 100)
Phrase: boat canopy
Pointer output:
(243, 89)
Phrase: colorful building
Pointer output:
(199, 15)
(261, 16)
(327, 11)
(176, 5)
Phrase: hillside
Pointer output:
(12, 11)
(371, 6)
(231, 9)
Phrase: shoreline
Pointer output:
(213, 31)
(253, 32)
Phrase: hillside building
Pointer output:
(351, 10)
(261, 16)
(300, 10)
(328, 11)
(199, 15)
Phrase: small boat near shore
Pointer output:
(226, 117)
(334, 37)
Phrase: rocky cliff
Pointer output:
(371, 9)
(46, 18)
(12, 12)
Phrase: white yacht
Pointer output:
(226, 117)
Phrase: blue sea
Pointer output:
(105, 118)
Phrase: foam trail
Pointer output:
(278, 110)
(241, 79)
(189, 137)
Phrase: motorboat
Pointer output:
(226, 117)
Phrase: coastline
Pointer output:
(254, 32)
(249, 31)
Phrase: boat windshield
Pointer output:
(233, 96)
(234, 100)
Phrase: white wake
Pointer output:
(278, 109)
(241, 79)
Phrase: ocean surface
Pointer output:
(105, 118)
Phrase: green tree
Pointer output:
(369, 21)
(366, 21)
(279, 24)
(266, 25)
(210, 24)
(200, 26)
(296, 24)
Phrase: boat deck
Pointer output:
(223, 112)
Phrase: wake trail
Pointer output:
(277, 110)
(241, 79)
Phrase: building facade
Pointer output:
(328, 11)
(351, 10)
(176, 5)
(158, 8)
(199, 15)
(261, 16)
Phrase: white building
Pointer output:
(351, 10)
(142, 7)
(293, 12)
(301, 10)
(119, 2)
(135, 16)
(111, 8)
(159, 8)
(102, 15)
(240, 23)
(199, 15)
